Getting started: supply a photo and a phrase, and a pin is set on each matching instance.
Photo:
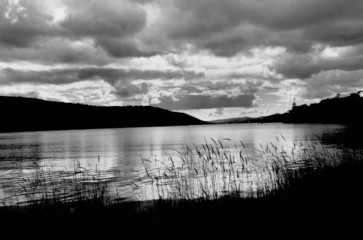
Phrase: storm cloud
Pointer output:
(110, 25)
(243, 24)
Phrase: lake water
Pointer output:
(116, 154)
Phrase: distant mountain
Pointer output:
(28, 114)
(271, 118)
(345, 110)
(231, 120)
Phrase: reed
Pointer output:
(40, 186)
(213, 170)
(201, 185)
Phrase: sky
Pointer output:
(211, 59)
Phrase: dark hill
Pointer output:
(347, 110)
(27, 114)
(232, 120)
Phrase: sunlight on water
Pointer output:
(66, 161)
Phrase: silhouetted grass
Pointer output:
(207, 188)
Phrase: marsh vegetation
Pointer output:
(206, 184)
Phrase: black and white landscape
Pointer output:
(180, 117)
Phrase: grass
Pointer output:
(210, 188)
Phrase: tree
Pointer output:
(294, 104)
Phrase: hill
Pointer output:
(345, 110)
(28, 114)
(232, 120)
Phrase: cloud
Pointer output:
(124, 29)
(30, 94)
(95, 92)
(184, 54)
(217, 113)
(58, 51)
(119, 48)
(111, 25)
(305, 65)
(110, 75)
(103, 18)
(185, 102)
(228, 27)
(130, 90)
(329, 83)
(122, 80)
(113, 74)
(23, 23)
(222, 87)
(11, 76)
(245, 86)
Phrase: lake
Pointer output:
(118, 156)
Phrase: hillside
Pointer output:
(27, 114)
(345, 110)
(232, 120)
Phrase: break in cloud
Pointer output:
(209, 58)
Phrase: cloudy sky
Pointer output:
(211, 59)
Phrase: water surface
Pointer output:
(118, 152)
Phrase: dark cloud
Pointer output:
(110, 75)
(223, 27)
(130, 90)
(247, 86)
(186, 102)
(57, 50)
(11, 76)
(337, 32)
(329, 83)
(303, 66)
(207, 87)
(21, 25)
(191, 89)
(103, 18)
(227, 45)
(101, 32)
(228, 27)
(119, 48)
(111, 25)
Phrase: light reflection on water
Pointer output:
(115, 154)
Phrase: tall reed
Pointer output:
(214, 169)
